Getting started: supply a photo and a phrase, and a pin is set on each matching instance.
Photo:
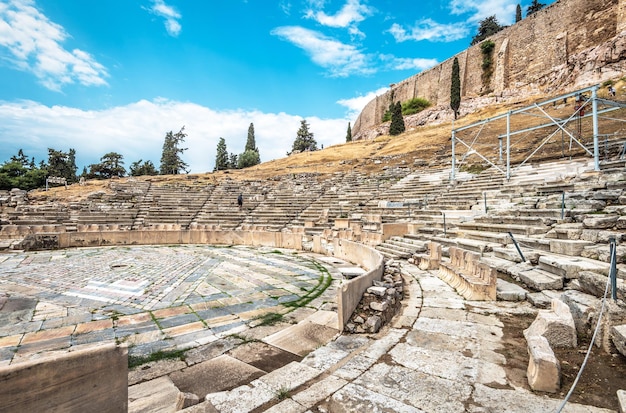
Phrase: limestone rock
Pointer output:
(186, 400)
(544, 371)
(379, 291)
(556, 325)
(618, 336)
(376, 306)
(373, 324)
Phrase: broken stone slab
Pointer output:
(584, 308)
(507, 291)
(595, 284)
(600, 221)
(544, 371)
(570, 267)
(568, 247)
(540, 280)
(155, 395)
(556, 325)
(539, 300)
(618, 336)
(218, 374)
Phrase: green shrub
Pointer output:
(414, 105)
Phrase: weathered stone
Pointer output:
(539, 299)
(507, 291)
(556, 325)
(544, 371)
(618, 336)
(595, 284)
(379, 306)
(607, 195)
(186, 400)
(379, 291)
(151, 395)
(583, 308)
(373, 324)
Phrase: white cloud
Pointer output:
(348, 16)
(356, 104)
(338, 58)
(170, 15)
(428, 29)
(137, 131)
(504, 10)
(32, 43)
(406, 63)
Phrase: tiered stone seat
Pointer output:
(473, 279)
(400, 247)
(171, 205)
(220, 209)
(283, 204)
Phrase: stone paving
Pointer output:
(441, 354)
(150, 297)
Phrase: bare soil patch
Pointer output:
(603, 375)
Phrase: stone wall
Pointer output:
(567, 46)
(92, 379)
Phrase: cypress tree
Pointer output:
(455, 88)
(349, 134)
(397, 121)
(518, 13)
(221, 156)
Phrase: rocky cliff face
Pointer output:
(566, 46)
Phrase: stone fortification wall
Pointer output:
(569, 45)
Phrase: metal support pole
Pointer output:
(444, 224)
(485, 201)
(519, 251)
(452, 177)
(613, 270)
(594, 109)
(500, 149)
(563, 205)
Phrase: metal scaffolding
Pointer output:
(539, 127)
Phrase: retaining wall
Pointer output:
(93, 379)
(566, 46)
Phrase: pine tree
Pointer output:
(221, 156)
(349, 133)
(518, 13)
(455, 88)
(535, 6)
(233, 162)
(397, 120)
(171, 162)
(304, 140)
(486, 28)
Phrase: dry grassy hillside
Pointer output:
(427, 146)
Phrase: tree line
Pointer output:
(23, 172)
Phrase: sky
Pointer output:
(117, 75)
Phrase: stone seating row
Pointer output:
(472, 279)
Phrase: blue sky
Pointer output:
(116, 75)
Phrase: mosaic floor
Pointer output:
(152, 297)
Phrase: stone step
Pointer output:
(507, 291)
(539, 279)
